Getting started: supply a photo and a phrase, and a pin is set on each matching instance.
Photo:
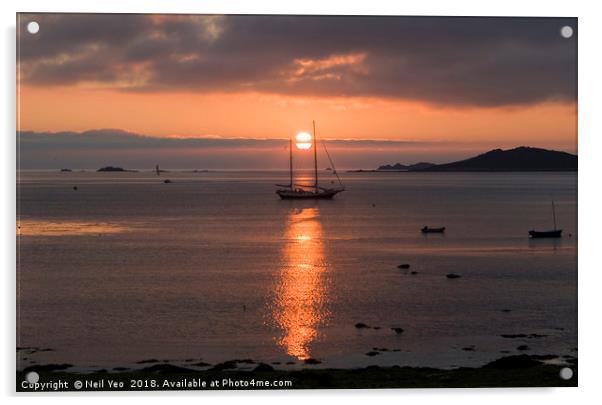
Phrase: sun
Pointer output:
(303, 140)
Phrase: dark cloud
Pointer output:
(442, 60)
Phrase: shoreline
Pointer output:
(510, 371)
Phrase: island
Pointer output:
(520, 159)
(114, 169)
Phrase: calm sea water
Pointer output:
(214, 266)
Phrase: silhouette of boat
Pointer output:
(426, 229)
(555, 233)
(293, 191)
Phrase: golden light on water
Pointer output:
(65, 228)
(301, 291)
(303, 140)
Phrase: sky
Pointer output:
(212, 91)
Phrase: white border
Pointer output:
(590, 133)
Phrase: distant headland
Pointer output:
(521, 159)
(114, 169)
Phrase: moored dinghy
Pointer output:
(426, 229)
(556, 233)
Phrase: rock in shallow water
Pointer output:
(263, 367)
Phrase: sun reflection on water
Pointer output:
(301, 291)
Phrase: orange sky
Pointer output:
(261, 115)
(443, 88)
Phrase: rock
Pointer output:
(312, 361)
(372, 354)
(508, 362)
(403, 266)
(361, 325)
(514, 336)
(452, 275)
(399, 331)
(147, 361)
(227, 365)
(544, 356)
(244, 361)
(48, 367)
(263, 367)
(167, 369)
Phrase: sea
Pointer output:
(120, 270)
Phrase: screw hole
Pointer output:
(32, 377)
(566, 373)
(566, 31)
(33, 27)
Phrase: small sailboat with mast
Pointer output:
(294, 191)
(554, 233)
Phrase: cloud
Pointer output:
(459, 61)
(96, 148)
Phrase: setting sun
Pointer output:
(303, 140)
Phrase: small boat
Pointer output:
(555, 233)
(293, 191)
(426, 229)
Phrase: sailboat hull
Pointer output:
(307, 195)
(557, 233)
(315, 192)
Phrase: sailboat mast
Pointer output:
(290, 148)
(554, 214)
(315, 157)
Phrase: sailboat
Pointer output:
(555, 233)
(293, 191)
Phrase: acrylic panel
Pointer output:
(279, 202)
